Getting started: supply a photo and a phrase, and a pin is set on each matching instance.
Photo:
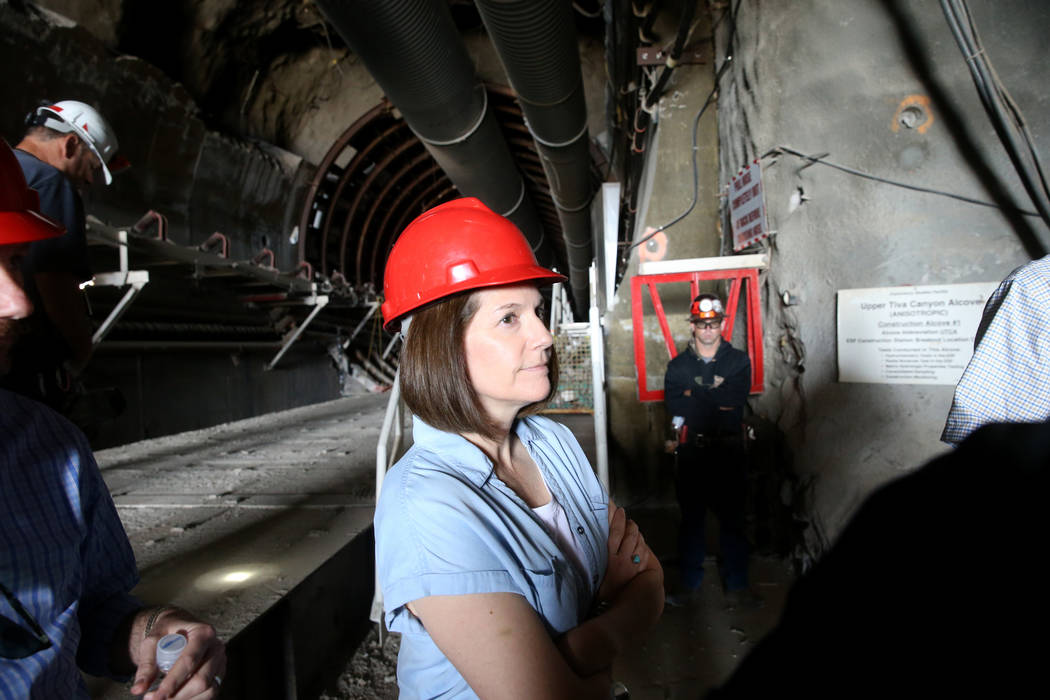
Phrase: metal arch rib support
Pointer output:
(319, 303)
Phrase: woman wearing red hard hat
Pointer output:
(496, 545)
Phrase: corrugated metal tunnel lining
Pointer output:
(378, 176)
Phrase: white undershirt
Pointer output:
(557, 523)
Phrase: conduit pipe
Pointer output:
(415, 53)
(536, 41)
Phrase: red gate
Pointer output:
(739, 279)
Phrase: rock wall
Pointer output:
(831, 78)
(200, 179)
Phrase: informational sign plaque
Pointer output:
(747, 209)
(909, 335)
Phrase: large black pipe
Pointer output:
(536, 41)
(415, 53)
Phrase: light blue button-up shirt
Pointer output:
(446, 525)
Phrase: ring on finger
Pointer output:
(218, 681)
(636, 559)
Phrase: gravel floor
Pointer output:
(371, 673)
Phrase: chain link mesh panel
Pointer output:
(575, 381)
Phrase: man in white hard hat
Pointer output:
(66, 566)
(67, 146)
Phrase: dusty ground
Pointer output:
(371, 673)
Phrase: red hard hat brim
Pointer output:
(27, 227)
(502, 277)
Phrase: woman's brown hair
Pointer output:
(434, 379)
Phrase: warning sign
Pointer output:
(747, 209)
(909, 335)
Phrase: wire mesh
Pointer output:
(575, 393)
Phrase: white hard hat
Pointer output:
(83, 120)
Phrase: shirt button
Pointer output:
(579, 529)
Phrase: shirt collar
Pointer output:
(721, 348)
(469, 459)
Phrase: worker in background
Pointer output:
(1008, 377)
(66, 566)
(705, 389)
(66, 148)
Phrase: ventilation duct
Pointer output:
(416, 55)
(536, 40)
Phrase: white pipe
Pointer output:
(601, 439)
(391, 423)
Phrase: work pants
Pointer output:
(712, 475)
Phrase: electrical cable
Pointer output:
(988, 74)
(696, 172)
(1002, 111)
(696, 122)
(684, 28)
(876, 178)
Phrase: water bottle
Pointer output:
(168, 649)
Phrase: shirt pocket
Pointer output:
(556, 598)
(600, 537)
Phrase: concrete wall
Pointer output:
(640, 469)
(827, 77)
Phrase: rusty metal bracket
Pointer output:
(153, 217)
(216, 240)
(303, 270)
(264, 254)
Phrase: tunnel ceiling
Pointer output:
(378, 176)
(260, 71)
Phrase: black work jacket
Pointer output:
(702, 408)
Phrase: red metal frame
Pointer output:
(739, 279)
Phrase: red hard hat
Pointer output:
(20, 217)
(455, 247)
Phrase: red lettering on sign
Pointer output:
(742, 200)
